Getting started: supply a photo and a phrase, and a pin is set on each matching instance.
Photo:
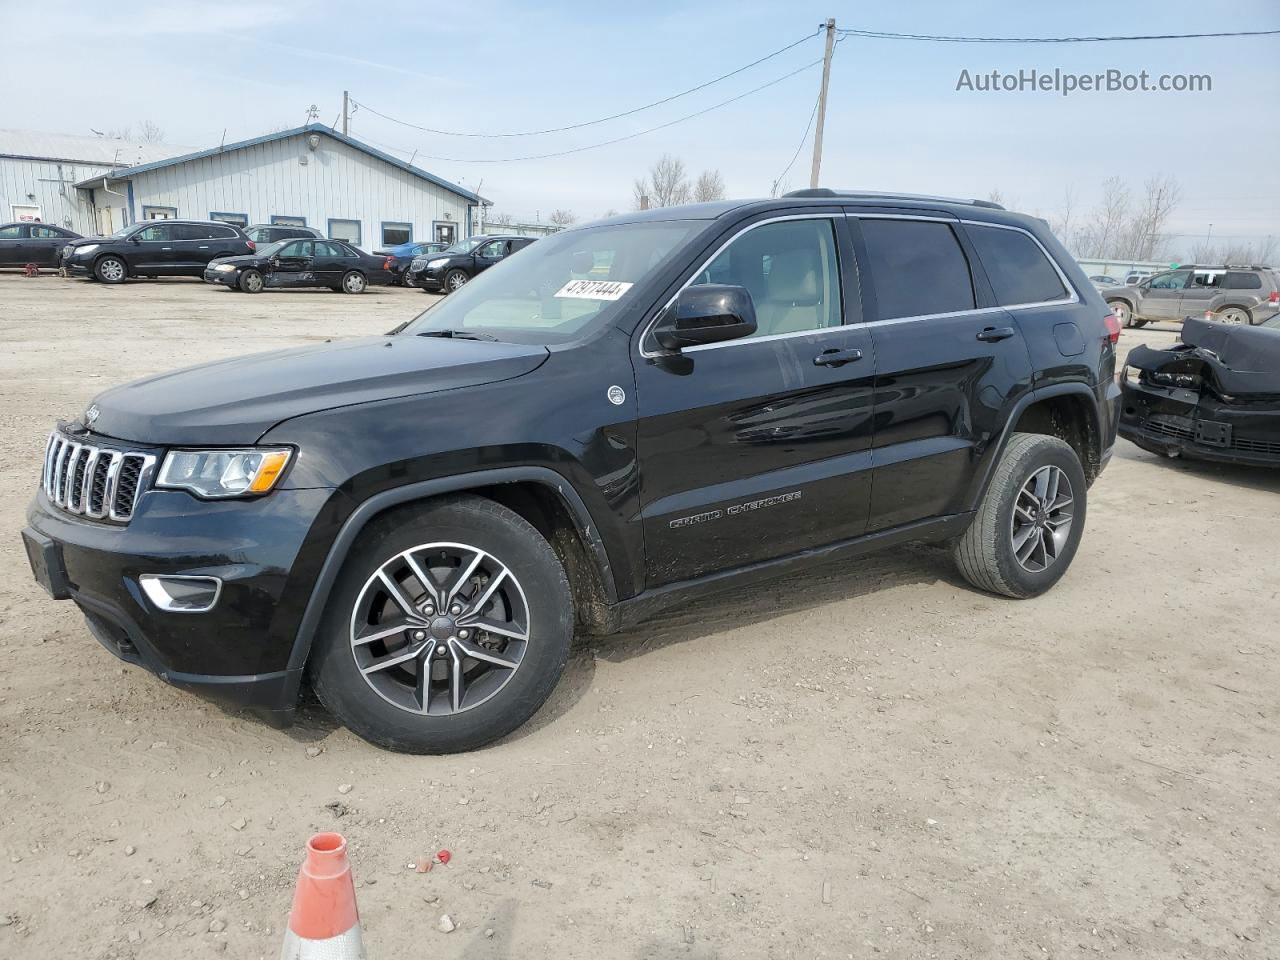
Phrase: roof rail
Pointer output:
(880, 195)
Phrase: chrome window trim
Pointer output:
(648, 327)
(1072, 298)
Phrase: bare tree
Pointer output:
(1145, 232)
(665, 186)
(562, 218)
(499, 219)
(709, 186)
(1261, 252)
(149, 132)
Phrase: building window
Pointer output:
(288, 221)
(348, 230)
(443, 231)
(159, 213)
(239, 219)
(394, 234)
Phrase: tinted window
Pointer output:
(10, 233)
(492, 250)
(47, 233)
(192, 231)
(1242, 281)
(918, 268)
(224, 233)
(394, 234)
(791, 271)
(1017, 268)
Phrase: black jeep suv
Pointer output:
(629, 412)
(155, 248)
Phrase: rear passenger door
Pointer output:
(757, 448)
(329, 263)
(948, 361)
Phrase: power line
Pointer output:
(941, 38)
(800, 146)
(589, 123)
(629, 136)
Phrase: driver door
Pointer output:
(490, 253)
(294, 264)
(1163, 295)
(755, 448)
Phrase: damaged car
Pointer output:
(1214, 396)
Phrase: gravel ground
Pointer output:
(870, 759)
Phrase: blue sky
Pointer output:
(895, 120)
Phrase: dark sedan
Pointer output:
(38, 243)
(403, 254)
(302, 263)
(451, 268)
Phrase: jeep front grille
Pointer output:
(92, 481)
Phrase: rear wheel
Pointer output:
(353, 282)
(251, 281)
(1237, 316)
(1120, 310)
(111, 269)
(1029, 524)
(448, 628)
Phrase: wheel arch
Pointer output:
(539, 494)
(1065, 410)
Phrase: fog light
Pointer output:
(178, 594)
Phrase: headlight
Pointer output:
(224, 267)
(87, 248)
(223, 473)
(434, 264)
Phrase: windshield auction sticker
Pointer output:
(593, 289)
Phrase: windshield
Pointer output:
(553, 289)
(465, 246)
(271, 249)
(125, 231)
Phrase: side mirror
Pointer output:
(135, 237)
(707, 313)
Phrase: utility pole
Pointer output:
(346, 113)
(822, 103)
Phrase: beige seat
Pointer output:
(791, 301)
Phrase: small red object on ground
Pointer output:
(444, 856)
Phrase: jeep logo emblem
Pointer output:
(91, 415)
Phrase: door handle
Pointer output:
(995, 334)
(836, 358)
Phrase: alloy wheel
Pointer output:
(440, 628)
(354, 283)
(457, 280)
(1042, 517)
(1122, 313)
(111, 270)
(1233, 315)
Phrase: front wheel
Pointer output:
(454, 280)
(251, 281)
(111, 270)
(448, 628)
(353, 282)
(1028, 526)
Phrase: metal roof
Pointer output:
(103, 151)
(318, 128)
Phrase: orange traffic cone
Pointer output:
(324, 923)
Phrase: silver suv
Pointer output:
(1230, 294)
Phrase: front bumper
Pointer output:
(1185, 422)
(432, 280)
(238, 652)
(225, 277)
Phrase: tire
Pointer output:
(1122, 311)
(1235, 315)
(986, 554)
(251, 281)
(454, 279)
(353, 281)
(387, 710)
(111, 269)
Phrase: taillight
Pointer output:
(1275, 296)
(1113, 327)
(386, 264)
(252, 246)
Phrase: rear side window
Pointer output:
(225, 233)
(918, 268)
(192, 231)
(1016, 266)
(1242, 281)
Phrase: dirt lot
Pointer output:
(869, 760)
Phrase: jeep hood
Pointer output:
(236, 401)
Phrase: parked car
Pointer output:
(402, 255)
(1102, 280)
(1245, 295)
(38, 243)
(265, 233)
(155, 248)
(1210, 397)
(627, 415)
(461, 262)
(302, 263)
